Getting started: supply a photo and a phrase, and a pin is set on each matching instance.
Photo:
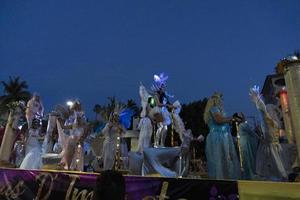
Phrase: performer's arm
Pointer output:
(220, 119)
(260, 105)
(41, 109)
(160, 104)
(256, 98)
(29, 107)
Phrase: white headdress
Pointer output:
(159, 81)
(119, 108)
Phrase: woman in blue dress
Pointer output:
(221, 155)
(249, 145)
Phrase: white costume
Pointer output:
(111, 145)
(34, 109)
(178, 123)
(48, 143)
(33, 151)
(271, 158)
(161, 98)
(72, 151)
(162, 129)
(145, 124)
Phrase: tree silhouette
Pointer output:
(192, 116)
(133, 106)
(106, 110)
(14, 90)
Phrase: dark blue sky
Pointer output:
(90, 49)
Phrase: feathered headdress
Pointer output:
(159, 81)
(118, 109)
(217, 95)
(124, 114)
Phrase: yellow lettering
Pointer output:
(83, 194)
(71, 186)
(43, 177)
(163, 192)
(8, 190)
(18, 191)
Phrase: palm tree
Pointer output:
(106, 110)
(133, 106)
(111, 105)
(192, 115)
(14, 90)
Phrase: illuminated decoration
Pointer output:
(292, 58)
(160, 81)
(151, 102)
(70, 103)
(78, 156)
(284, 100)
(117, 164)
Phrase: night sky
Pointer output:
(91, 49)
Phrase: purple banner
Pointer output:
(30, 184)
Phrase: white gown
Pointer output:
(146, 129)
(162, 129)
(270, 157)
(145, 124)
(110, 147)
(78, 159)
(33, 151)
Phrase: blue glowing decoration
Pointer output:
(125, 117)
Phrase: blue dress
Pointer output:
(221, 155)
(249, 145)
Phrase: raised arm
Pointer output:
(260, 105)
(257, 99)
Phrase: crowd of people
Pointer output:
(256, 154)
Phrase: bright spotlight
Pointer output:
(70, 103)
